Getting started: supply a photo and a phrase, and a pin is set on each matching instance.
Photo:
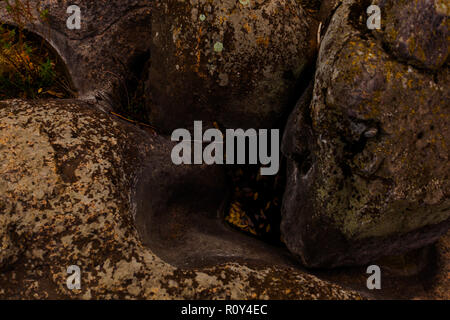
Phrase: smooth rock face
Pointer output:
(184, 214)
(67, 176)
(234, 62)
(368, 171)
(442, 290)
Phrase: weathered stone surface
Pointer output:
(368, 157)
(102, 56)
(441, 286)
(67, 173)
(235, 62)
(416, 31)
(419, 274)
(368, 172)
(185, 214)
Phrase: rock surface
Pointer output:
(234, 62)
(417, 32)
(118, 31)
(67, 173)
(367, 148)
(441, 286)
(368, 171)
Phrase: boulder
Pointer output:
(367, 151)
(234, 62)
(68, 177)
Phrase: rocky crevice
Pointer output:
(366, 149)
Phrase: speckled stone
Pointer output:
(101, 56)
(234, 62)
(368, 146)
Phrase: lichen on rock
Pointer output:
(234, 62)
(67, 176)
(416, 31)
(376, 139)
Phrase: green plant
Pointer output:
(28, 67)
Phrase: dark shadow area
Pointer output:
(179, 216)
(406, 276)
(129, 97)
(255, 202)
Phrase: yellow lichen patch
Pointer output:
(238, 218)
(442, 7)
(247, 27)
(263, 41)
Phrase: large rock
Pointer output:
(110, 50)
(234, 62)
(67, 179)
(368, 157)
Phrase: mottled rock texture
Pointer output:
(417, 32)
(234, 62)
(367, 145)
(67, 173)
(368, 171)
(109, 50)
